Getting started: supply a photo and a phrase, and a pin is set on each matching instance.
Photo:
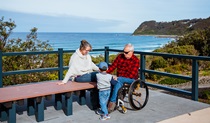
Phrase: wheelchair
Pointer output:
(137, 94)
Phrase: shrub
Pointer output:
(97, 59)
(172, 81)
(206, 73)
(154, 77)
(199, 39)
(205, 94)
(158, 62)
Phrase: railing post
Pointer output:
(106, 55)
(195, 80)
(60, 63)
(1, 72)
(142, 67)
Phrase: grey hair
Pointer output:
(130, 46)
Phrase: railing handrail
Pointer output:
(143, 70)
(205, 58)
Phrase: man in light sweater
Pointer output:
(104, 86)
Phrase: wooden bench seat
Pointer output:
(35, 94)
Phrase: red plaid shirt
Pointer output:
(125, 67)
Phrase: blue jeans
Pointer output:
(118, 85)
(88, 77)
(103, 100)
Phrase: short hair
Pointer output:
(84, 44)
(130, 46)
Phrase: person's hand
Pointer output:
(114, 77)
(60, 83)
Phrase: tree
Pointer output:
(200, 39)
(5, 30)
(25, 62)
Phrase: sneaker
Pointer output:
(108, 116)
(111, 106)
(98, 112)
(104, 117)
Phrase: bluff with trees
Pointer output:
(178, 27)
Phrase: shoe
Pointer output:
(98, 112)
(104, 117)
(108, 116)
(111, 106)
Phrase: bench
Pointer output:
(36, 93)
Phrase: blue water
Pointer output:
(71, 41)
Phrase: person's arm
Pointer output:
(98, 81)
(133, 72)
(94, 67)
(67, 76)
(69, 72)
(113, 66)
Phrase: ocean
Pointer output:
(71, 41)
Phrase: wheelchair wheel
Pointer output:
(123, 91)
(121, 98)
(138, 94)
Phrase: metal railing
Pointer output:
(143, 70)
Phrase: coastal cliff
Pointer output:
(179, 27)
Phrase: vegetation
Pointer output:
(24, 62)
(200, 39)
(172, 81)
(205, 94)
(195, 43)
(179, 27)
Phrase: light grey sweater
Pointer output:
(103, 81)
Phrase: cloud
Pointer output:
(59, 23)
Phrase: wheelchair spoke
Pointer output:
(138, 95)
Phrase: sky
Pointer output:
(97, 15)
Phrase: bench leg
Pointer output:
(12, 114)
(68, 104)
(8, 112)
(31, 106)
(3, 113)
(39, 112)
(58, 101)
(82, 97)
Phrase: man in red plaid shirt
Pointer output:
(127, 65)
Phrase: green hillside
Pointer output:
(179, 27)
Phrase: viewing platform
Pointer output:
(161, 108)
